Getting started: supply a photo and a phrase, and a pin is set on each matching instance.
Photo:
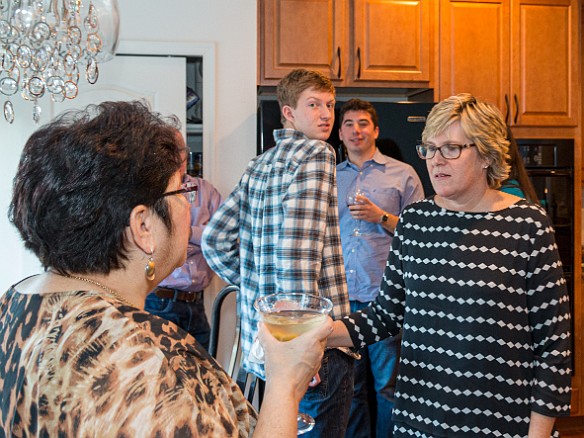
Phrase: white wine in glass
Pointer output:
(289, 315)
(288, 324)
(352, 200)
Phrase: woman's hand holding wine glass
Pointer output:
(295, 362)
(301, 322)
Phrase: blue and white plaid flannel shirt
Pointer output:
(278, 231)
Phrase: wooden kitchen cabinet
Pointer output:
(390, 42)
(300, 33)
(357, 43)
(521, 55)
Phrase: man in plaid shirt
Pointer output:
(278, 232)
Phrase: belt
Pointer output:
(176, 295)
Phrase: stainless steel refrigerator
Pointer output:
(400, 129)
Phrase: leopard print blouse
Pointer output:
(81, 364)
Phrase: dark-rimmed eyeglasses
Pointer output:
(449, 151)
(189, 189)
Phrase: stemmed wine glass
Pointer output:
(352, 200)
(289, 315)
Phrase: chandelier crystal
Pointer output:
(45, 43)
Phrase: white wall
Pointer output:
(232, 27)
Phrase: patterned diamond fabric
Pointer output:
(485, 314)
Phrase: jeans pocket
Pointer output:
(159, 306)
(320, 390)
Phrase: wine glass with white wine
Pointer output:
(289, 315)
(353, 199)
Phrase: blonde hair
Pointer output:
(482, 123)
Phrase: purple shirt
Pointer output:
(195, 275)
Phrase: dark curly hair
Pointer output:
(79, 178)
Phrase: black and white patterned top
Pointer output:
(486, 321)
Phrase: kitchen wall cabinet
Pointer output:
(357, 43)
(521, 55)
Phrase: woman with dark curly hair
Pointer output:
(98, 198)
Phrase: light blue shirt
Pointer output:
(391, 185)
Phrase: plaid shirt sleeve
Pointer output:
(220, 243)
(309, 247)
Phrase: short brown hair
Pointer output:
(298, 80)
(359, 105)
(480, 121)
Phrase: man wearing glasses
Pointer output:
(179, 297)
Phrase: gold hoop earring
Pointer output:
(150, 269)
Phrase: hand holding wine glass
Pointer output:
(297, 361)
(354, 198)
(288, 317)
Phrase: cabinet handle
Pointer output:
(507, 109)
(339, 56)
(516, 109)
(359, 63)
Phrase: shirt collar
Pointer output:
(280, 134)
(377, 158)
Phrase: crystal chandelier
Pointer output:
(44, 43)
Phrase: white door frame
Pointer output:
(205, 51)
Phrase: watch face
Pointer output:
(384, 218)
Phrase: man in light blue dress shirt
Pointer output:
(386, 186)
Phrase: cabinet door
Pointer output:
(545, 62)
(391, 40)
(474, 51)
(301, 33)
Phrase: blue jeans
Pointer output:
(379, 361)
(188, 316)
(329, 402)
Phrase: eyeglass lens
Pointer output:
(448, 151)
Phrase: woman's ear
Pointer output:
(141, 230)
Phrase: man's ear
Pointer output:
(141, 230)
(288, 113)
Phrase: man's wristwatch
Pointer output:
(384, 218)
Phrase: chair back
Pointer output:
(247, 382)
